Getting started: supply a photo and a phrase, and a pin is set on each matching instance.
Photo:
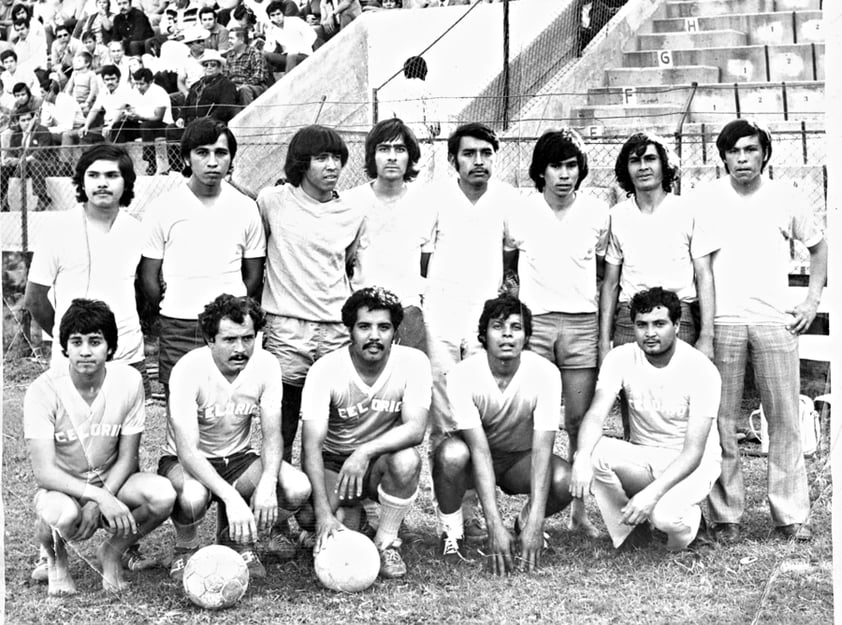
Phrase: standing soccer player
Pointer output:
(395, 225)
(758, 219)
(312, 233)
(202, 238)
(364, 410)
(505, 404)
(216, 392)
(668, 467)
(83, 423)
(463, 264)
(559, 240)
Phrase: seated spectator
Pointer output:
(25, 98)
(191, 69)
(146, 117)
(62, 52)
(117, 56)
(98, 51)
(131, 27)
(178, 16)
(214, 95)
(6, 20)
(24, 12)
(289, 40)
(61, 115)
(97, 22)
(13, 76)
(107, 113)
(344, 11)
(217, 33)
(241, 17)
(31, 50)
(83, 84)
(26, 160)
(246, 67)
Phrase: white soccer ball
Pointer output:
(215, 577)
(348, 563)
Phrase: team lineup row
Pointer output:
(305, 247)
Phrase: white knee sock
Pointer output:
(392, 512)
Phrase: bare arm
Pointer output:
(805, 312)
(500, 541)
(589, 434)
(252, 272)
(264, 500)
(313, 435)
(707, 302)
(37, 302)
(150, 279)
(608, 294)
(532, 537)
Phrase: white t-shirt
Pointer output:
(306, 275)
(557, 261)
(531, 401)
(202, 246)
(751, 269)
(357, 413)
(223, 409)
(112, 103)
(466, 267)
(662, 401)
(78, 260)
(155, 97)
(389, 249)
(87, 437)
(296, 37)
(658, 248)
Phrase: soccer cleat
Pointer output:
(727, 533)
(452, 549)
(391, 564)
(39, 573)
(133, 560)
(280, 545)
(253, 563)
(474, 531)
(180, 556)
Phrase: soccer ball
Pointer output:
(215, 577)
(349, 562)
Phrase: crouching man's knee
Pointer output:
(294, 487)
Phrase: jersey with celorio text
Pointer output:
(356, 412)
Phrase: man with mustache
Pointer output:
(201, 238)
(463, 263)
(216, 392)
(667, 468)
(757, 318)
(505, 404)
(656, 240)
(364, 409)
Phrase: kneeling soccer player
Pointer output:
(673, 457)
(215, 391)
(505, 403)
(364, 408)
(83, 424)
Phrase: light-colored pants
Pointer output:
(677, 513)
(774, 358)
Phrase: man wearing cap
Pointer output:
(213, 95)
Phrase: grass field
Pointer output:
(762, 580)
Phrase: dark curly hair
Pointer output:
(230, 307)
(500, 308)
(308, 142)
(373, 298)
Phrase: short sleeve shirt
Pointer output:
(87, 437)
(531, 402)
(557, 262)
(154, 98)
(662, 401)
(389, 249)
(751, 269)
(202, 246)
(78, 260)
(223, 409)
(355, 412)
(658, 248)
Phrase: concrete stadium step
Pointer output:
(761, 28)
(699, 8)
(742, 64)
(683, 39)
(655, 76)
(763, 97)
(638, 116)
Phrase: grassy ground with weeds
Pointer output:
(761, 580)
